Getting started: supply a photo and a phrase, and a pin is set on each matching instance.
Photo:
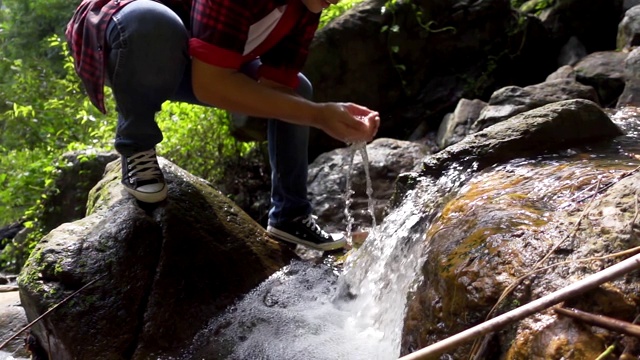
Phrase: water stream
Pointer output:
(318, 312)
(361, 148)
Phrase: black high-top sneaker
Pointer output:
(142, 177)
(304, 231)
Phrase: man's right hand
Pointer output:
(348, 122)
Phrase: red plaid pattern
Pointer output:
(219, 31)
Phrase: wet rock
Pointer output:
(554, 340)
(161, 270)
(499, 227)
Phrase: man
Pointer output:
(243, 56)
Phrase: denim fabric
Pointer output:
(148, 63)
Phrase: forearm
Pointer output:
(234, 91)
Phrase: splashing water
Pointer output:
(313, 312)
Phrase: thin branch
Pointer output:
(29, 325)
(589, 283)
(604, 322)
(635, 216)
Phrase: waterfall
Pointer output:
(317, 312)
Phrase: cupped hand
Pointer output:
(349, 122)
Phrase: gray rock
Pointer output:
(162, 270)
(604, 71)
(12, 319)
(629, 30)
(456, 126)
(631, 94)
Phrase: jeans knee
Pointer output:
(304, 89)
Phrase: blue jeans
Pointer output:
(148, 63)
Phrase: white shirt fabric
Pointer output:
(259, 31)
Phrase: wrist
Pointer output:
(316, 118)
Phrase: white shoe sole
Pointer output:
(334, 245)
(150, 198)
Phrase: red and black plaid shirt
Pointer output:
(218, 28)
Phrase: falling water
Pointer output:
(316, 312)
(360, 147)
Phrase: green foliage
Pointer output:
(24, 173)
(47, 110)
(21, 170)
(532, 6)
(336, 10)
(28, 23)
(47, 114)
(198, 139)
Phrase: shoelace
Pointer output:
(143, 166)
(310, 222)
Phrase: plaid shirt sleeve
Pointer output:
(219, 30)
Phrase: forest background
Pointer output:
(44, 112)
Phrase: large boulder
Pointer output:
(513, 100)
(554, 126)
(160, 271)
(631, 94)
(525, 204)
(629, 30)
